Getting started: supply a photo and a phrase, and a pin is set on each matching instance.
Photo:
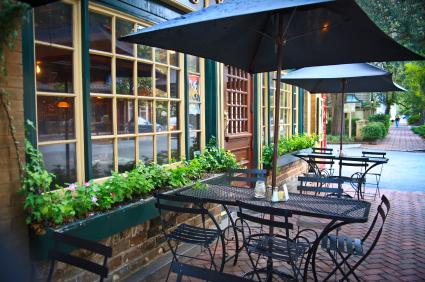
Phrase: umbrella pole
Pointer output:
(342, 123)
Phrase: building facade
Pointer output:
(101, 105)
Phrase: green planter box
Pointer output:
(103, 225)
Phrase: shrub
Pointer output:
(419, 130)
(414, 119)
(374, 131)
(385, 119)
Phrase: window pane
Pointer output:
(53, 23)
(144, 79)
(145, 116)
(144, 52)
(174, 58)
(175, 147)
(194, 116)
(194, 143)
(161, 116)
(125, 116)
(55, 118)
(193, 63)
(60, 160)
(194, 94)
(124, 77)
(102, 157)
(123, 28)
(162, 149)
(101, 116)
(174, 83)
(54, 69)
(174, 115)
(126, 154)
(160, 55)
(146, 149)
(100, 32)
(100, 74)
(161, 81)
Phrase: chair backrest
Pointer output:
(326, 151)
(354, 162)
(374, 154)
(250, 176)
(382, 214)
(56, 254)
(320, 185)
(182, 269)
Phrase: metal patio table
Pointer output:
(340, 211)
(370, 161)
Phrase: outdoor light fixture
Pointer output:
(63, 104)
(38, 68)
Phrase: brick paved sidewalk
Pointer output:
(400, 253)
(399, 139)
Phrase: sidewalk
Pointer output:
(399, 139)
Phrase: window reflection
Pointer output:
(161, 116)
(174, 115)
(102, 158)
(144, 79)
(123, 28)
(100, 32)
(146, 149)
(161, 81)
(101, 116)
(54, 69)
(194, 143)
(55, 118)
(162, 149)
(144, 52)
(175, 147)
(60, 160)
(194, 116)
(100, 74)
(124, 77)
(174, 58)
(193, 63)
(145, 116)
(160, 56)
(174, 83)
(126, 154)
(125, 116)
(53, 23)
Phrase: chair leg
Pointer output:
(52, 266)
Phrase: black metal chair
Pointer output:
(248, 176)
(327, 163)
(347, 247)
(182, 269)
(190, 234)
(272, 246)
(56, 254)
(318, 150)
(357, 179)
(376, 171)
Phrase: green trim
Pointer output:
(85, 56)
(294, 102)
(269, 81)
(28, 62)
(256, 140)
(211, 95)
(186, 107)
(301, 111)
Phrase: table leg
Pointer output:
(235, 231)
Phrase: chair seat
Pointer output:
(343, 244)
(277, 247)
(194, 235)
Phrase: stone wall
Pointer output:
(13, 230)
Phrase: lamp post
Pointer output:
(65, 106)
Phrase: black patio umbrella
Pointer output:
(268, 35)
(342, 78)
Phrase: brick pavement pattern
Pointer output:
(399, 254)
(399, 138)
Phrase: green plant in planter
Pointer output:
(200, 186)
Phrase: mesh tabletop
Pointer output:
(348, 210)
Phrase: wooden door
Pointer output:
(238, 114)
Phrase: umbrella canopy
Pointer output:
(328, 79)
(243, 34)
(268, 35)
(341, 79)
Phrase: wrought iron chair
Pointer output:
(327, 163)
(347, 247)
(327, 187)
(190, 234)
(56, 254)
(357, 179)
(272, 246)
(182, 269)
(317, 150)
(247, 176)
(376, 171)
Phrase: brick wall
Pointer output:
(289, 173)
(13, 230)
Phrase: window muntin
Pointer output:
(135, 101)
(284, 107)
(57, 92)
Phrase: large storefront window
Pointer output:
(57, 94)
(135, 99)
(284, 107)
(195, 105)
